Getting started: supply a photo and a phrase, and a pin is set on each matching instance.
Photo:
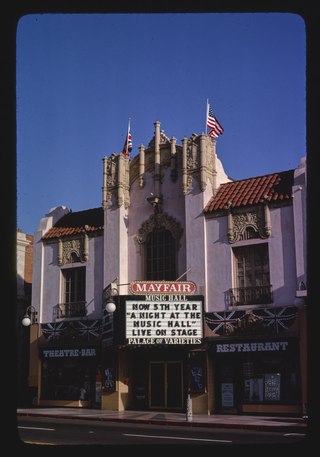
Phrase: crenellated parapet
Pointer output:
(193, 162)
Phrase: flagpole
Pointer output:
(127, 137)
(207, 112)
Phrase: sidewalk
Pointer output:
(267, 423)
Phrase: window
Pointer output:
(74, 285)
(252, 378)
(267, 380)
(62, 379)
(252, 266)
(74, 257)
(252, 277)
(74, 293)
(249, 234)
(160, 255)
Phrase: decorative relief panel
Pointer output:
(194, 169)
(117, 179)
(193, 157)
(112, 171)
(73, 250)
(163, 139)
(248, 224)
(159, 220)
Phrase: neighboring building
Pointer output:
(208, 273)
(24, 249)
(256, 228)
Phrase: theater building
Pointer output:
(184, 283)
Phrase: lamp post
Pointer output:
(108, 301)
(30, 316)
(32, 373)
(110, 306)
(189, 399)
(109, 292)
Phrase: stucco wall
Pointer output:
(140, 211)
(52, 288)
(281, 248)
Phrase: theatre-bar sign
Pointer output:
(63, 353)
(168, 314)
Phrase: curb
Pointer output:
(269, 428)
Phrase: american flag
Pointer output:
(215, 129)
(127, 147)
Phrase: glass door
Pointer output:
(166, 385)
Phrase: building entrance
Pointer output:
(166, 384)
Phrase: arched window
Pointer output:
(74, 257)
(249, 233)
(160, 255)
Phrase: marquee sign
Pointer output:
(163, 287)
(175, 320)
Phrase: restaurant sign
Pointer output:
(262, 346)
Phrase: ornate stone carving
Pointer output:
(156, 221)
(72, 250)
(163, 139)
(112, 171)
(117, 180)
(197, 167)
(193, 164)
(193, 158)
(245, 219)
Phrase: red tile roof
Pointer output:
(90, 220)
(251, 191)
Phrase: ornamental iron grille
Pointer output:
(257, 295)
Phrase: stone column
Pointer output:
(203, 174)
(85, 246)
(59, 251)
(121, 170)
(104, 182)
(214, 175)
(267, 222)
(173, 159)
(230, 225)
(141, 165)
(184, 166)
(157, 170)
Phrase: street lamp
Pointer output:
(109, 292)
(110, 306)
(155, 202)
(301, 294)
(30, 316)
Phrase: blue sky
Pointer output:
(80, 77)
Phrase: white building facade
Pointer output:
(24, 251)
(205, 273)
